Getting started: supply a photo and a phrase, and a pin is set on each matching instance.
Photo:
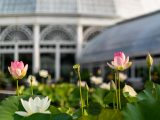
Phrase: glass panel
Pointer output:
(67, 62)
(17, 6)
(57, 6)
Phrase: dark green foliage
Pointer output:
(147, 107)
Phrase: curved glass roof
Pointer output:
(17, 6)
(88, 7)
(136, 38)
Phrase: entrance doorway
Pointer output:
(48, 63)
(67, 62)
(5, 61)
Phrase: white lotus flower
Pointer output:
(96, 80)
(35, 105)
(105, 86)
(128, 89)
(43, 73)
(83, 83)
(122, 77)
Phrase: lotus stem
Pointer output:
(80, 90)
(116, 93)
(119, 89)
(32, 86)
(154, 91)
(149, 73)
(87, 97)
(114, 99)
(17, 89)
(87, 93)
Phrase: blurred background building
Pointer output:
(51, 34)
(135, 37)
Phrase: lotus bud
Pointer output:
(112, 85)
(43, 73)
(87, 87)
(18, 70)
(149, 60)
(128, 89)
(76, 67)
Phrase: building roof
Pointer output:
(136, 37)
(80, 7)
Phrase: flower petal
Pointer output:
(24, 71)
(20, 65)
(18, 72)
(111, 66)
(26, 106)
(32, 104)
(123, 56)
(127, 60)
(9, 69)
(37, 102)
(13, 65)
(14, 74)
(120, 55)
(44, 104)
(47, 105)
(22, 113)
(113, 63)
(118, 61)
(127, 65)
(128, 89)
(46, 112)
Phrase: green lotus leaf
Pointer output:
(8, 107)
(110, 114)
(147, 107)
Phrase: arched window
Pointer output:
(56, 33)
(14, 33)
(91, 32)
(92, 35)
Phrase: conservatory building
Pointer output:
(135, 37)
(50, 34)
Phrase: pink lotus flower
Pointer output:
(120, 62)
(18, 70)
